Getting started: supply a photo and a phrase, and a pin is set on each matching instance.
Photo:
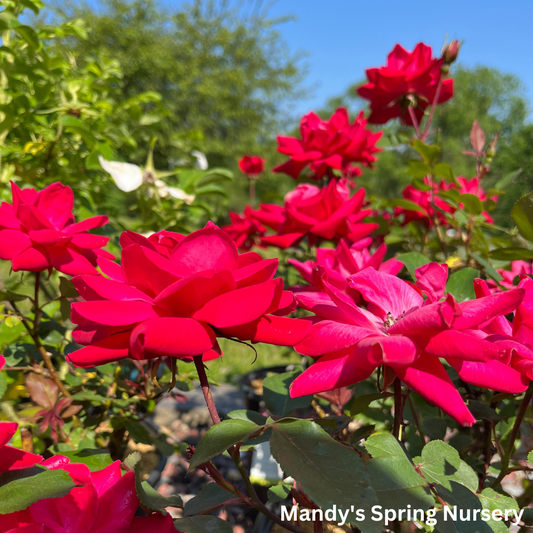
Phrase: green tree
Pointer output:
(225, 76)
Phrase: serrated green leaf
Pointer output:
(220, 437)
(412, 261)
(394, 478)
(210, 497)
(94, 459)
(148, 496)
(522, 214)
(440, 463)
(417, 169)
(277, 397)
(329, 473)
(511, 254)
(202, 524)
(249, 416)
(461, 284)
(429, 152)
(278, 493)
(443, 170)
(406, 204)
(19, 494)
(358, 404)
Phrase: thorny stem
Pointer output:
(398, 408)
(235, 453)
(35, 337)
(514, 433)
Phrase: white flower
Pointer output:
(180, 194)
(201, 160)
(126, 176)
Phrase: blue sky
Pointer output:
(343, 37)
(346, 36)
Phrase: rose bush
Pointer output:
(413, 317)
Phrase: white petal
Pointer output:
(126, 176)
(180, 194)
(201, 160)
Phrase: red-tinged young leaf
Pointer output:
(477, 138)
(43, 391)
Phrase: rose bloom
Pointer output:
(473, 186)
(519, 269)
(12, 458)
(409, 335)
(515, 336)
(102, 502)
(327, 213)
(174, 295)
(409, 78)
(340, 263)
(38, 232)
(252, 165)
(245, 230)
(328, 145)
(427, 213)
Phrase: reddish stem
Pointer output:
(432, 111)
(414, 120)
(206, 389)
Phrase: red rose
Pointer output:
(408, 334)
(327, 213)
(328, 145)
(245, 229)
(340, 263)
(38, 232)
(409, 78)
(103, 501)
(174, 295)
(252, 165)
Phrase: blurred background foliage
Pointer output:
(82, 79)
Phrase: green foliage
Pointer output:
(276, 394)
(220, 437)
(19, 490)
(210, 498)
(330, 473)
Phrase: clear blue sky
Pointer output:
(343, 37)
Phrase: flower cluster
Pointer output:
(329, 145)
(38, 232)
(432, 207)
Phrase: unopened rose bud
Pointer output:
(451, 52)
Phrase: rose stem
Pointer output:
(234, 451)
(516, 428)
(398, 408)
(35, 337)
